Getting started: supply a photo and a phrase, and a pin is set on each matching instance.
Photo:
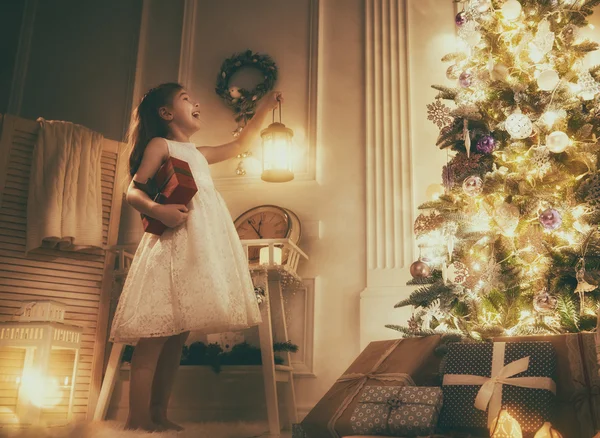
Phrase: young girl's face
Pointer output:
(185, 112)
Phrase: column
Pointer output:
(390, 201)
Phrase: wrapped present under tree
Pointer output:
(577, 382)
(383, 363)
(481, 379)
(397, 411)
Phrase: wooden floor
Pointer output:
(114, 429)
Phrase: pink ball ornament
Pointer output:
(460, 19)
(473, 186)
(550, 219)
(465, 79)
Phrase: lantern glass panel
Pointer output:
(277, 153)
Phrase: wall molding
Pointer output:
(304, 366)
(138, 89)
(15, 100)
(188, 35)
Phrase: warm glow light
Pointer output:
(434, 191)
(41, 391)
(505, 426)
(511, 10)
(547, 431)
(264, 256)
(578, 211)
(550, 117)
(277, 152)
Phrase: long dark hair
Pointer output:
(147, 123)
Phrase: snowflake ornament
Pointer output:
(469, 32)
(426, 223)
(413, 324)
(432, 311)
(490, 276)
(589, 86)
(439, 114)
(542, 42)
(458, 273)
(541, 161)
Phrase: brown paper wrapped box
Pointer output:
(409, 361)
(577, 383)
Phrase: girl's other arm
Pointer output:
(216, 154)
(171, 215)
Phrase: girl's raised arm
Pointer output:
(216, 154)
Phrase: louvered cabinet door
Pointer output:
(82, 280)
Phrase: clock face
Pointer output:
(266, 222)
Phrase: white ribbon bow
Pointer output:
(490, 393)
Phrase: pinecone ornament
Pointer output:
(589, 191)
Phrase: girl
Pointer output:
(194, 277)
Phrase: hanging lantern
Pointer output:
(277, 151)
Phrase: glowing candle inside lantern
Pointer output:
(265, 259)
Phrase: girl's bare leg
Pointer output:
(168, 364)
(143, 368)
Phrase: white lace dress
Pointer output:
(192, 278)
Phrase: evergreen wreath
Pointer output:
(241, 101)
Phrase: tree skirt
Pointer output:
(113, 429)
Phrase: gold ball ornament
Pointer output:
(420, 269)
(557, 142)
(547, 80)
(511, 10)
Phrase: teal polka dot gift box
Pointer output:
(481, 379)
(405, 411)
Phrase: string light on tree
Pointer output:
(434, 192)
(557, 142)
(511, 10)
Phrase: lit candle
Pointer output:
(265, 259)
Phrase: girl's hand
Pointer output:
(172, 215)
(271, 101)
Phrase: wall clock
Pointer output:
(267, 222)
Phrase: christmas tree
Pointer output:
(509, 245)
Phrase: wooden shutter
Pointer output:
(81, 280)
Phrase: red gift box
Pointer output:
(172, 184)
